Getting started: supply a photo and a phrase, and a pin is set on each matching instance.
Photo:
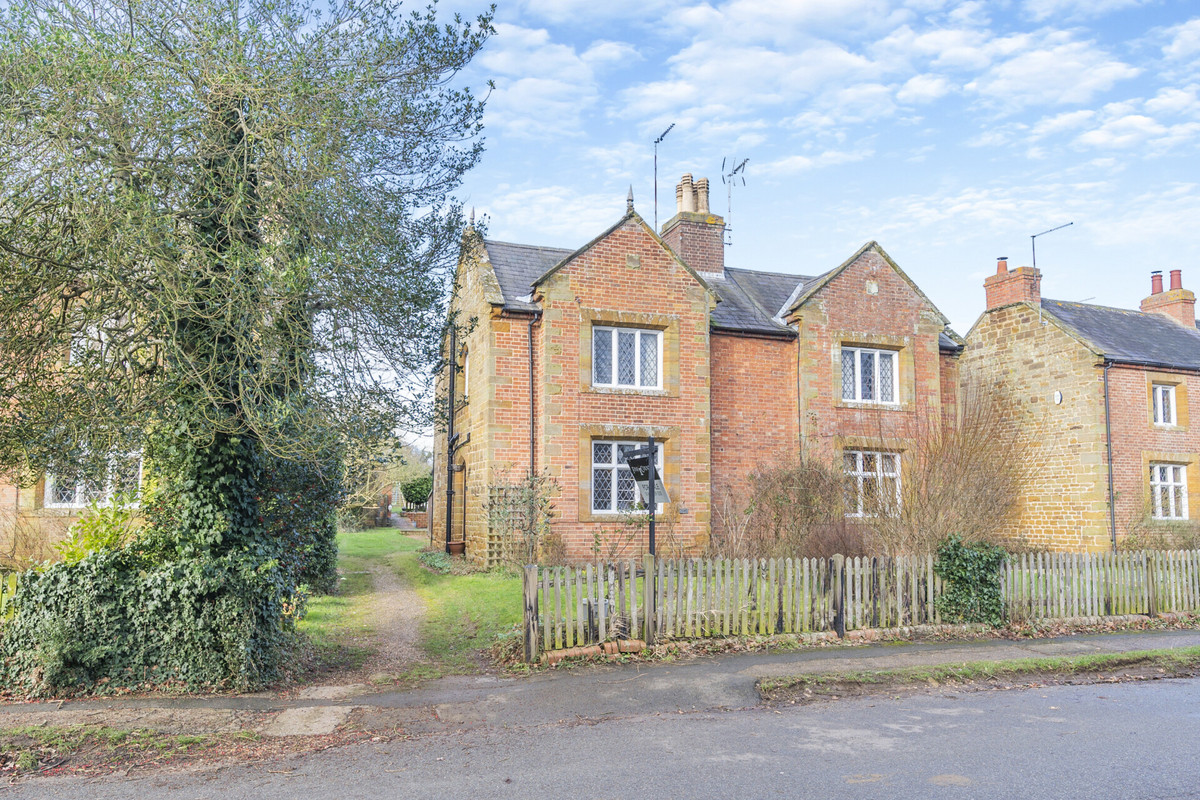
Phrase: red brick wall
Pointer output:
(867, 304)
(754, 414)
(699, 239)
(1137, 441)
(625, 279)
(1023, 284)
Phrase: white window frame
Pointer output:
(1159, 391)
(1170, 477)
(640, 380)
(615, 466)
(859, 474)
(858, 353)
(80, 494)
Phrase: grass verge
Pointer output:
(465, 615)
(1139, 665)
(44, 749)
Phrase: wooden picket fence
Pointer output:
(8, 588)
(699, 598)
(1058, 585)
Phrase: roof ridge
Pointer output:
(1095, 305)
(799, 278)
(529, 246)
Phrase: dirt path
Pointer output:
(395, 612)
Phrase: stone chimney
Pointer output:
(1177, 303)
(1023, 284)
(695, 234)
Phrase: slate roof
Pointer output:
(1130, 337)
(517, 266)
(750, 299)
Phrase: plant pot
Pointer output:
(458, 548)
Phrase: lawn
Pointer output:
(465, 613)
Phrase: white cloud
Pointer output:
(1175, 101)
(1045, 9)
(551, 214)
(1055, 72)
(923, 89)
(1185, 40)
(605, 52)
(1067, 121)
(791, 165)
(543, 87)
(1123, 131)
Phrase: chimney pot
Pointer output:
(689, 193)
(1156, 282)
(1001, 265)
(1176, 279)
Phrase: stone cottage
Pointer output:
(572, 357)
(1100, 398)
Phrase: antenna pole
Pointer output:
(1033, 240)
(729, 178)
(661, 136)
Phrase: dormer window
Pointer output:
(869, 375)
(626, 358)
(1163, 397)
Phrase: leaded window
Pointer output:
(872, 483)
(1164, 404)
(626, 358)
(1168, 491)
(613, 487)
(122, 477)
(869, 375)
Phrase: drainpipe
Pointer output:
(532, 438)
(450, 437)
(1112, 499)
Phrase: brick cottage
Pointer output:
(574, 356)
(1100, 398)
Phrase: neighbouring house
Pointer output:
(1100, 397)
(571, 357)
(34, 517)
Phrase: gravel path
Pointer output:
(395, 612)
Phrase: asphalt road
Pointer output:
(1133, 740)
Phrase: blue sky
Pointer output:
(947, 131)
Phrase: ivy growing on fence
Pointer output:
(972, 581)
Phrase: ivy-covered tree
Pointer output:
(226, 234)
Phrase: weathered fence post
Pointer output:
(1151, 583)
(837, 574)
(650, 608)
(533, 645)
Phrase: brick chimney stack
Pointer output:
(1177, 303)
(696, 234)
(1023, 284)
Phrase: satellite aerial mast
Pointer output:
(730, 178)
(1033, 240)
(661, 136)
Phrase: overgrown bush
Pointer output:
(205, 595)
(971, 572)
(299, 502)
(793, 507)
(103, 526)
(119, 618)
